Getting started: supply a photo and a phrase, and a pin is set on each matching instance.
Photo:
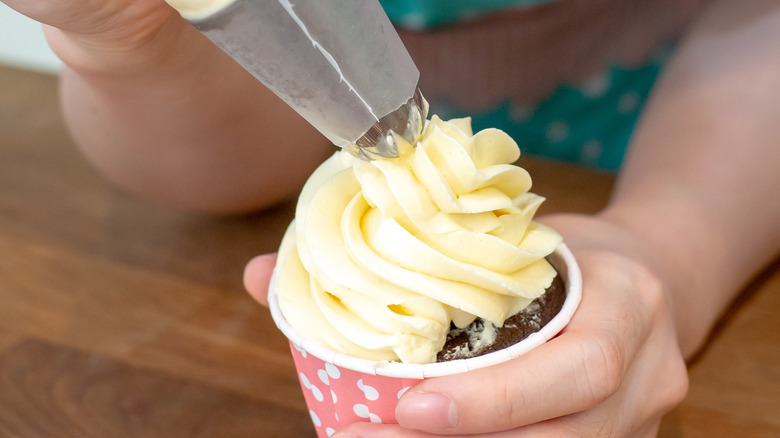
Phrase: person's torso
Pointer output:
(566, 78)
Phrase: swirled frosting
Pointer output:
(383, 255)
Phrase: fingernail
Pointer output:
(426, 411)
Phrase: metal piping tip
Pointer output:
(339, 64)
(407, 122)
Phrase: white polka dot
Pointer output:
(333, 370)
(333, 396)
(315, 419)
(596, 86)
(362, 411)
(368, 391)
(323, 376)
(557, 131)
(329, 431)
(305, 380)
(591, 151)
(314, 390)
(629, 102)
(301, 350)
(317, 393)
(413, 21)
(403, 391)
(520, 113)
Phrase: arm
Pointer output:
(692, 219)
(699, 189)
(161, 111)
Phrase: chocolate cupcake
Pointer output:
(482, 337)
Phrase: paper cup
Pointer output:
(341, 389)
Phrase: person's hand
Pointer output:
(257, 275)
(613, 372)
(163, 113)
(88, 32)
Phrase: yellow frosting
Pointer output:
(384, 254)
(193, 9)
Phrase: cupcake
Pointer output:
(416, 266)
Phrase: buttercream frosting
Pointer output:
(384, 255)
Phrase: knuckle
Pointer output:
(647, 288)
(676, 387)
(632, 275)
(604, 366)
(650, 291)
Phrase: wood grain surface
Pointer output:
(122, 318)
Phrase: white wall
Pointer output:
(22, 43)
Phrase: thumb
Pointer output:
(91, 17)
(257, 275)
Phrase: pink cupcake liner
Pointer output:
(341, 389)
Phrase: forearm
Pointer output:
(699, 186)
(174, 119)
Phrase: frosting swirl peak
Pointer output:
(383, 255)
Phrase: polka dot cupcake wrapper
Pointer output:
(339, 396)
(341, 390)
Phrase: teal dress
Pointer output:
(589, 124)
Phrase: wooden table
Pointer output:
(122, 318)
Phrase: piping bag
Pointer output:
(339, 63)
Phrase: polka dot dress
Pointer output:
(589, 124)
(425, 14)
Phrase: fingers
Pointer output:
(576, 426)
(541, 385)
(257, 275)
(613, 372)
(82, 16)
(362, 430)
(634, 411)
(577, 371)
(111, 27)
(87, 34)
(596, 423)
(369, 430)
(580, 425)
